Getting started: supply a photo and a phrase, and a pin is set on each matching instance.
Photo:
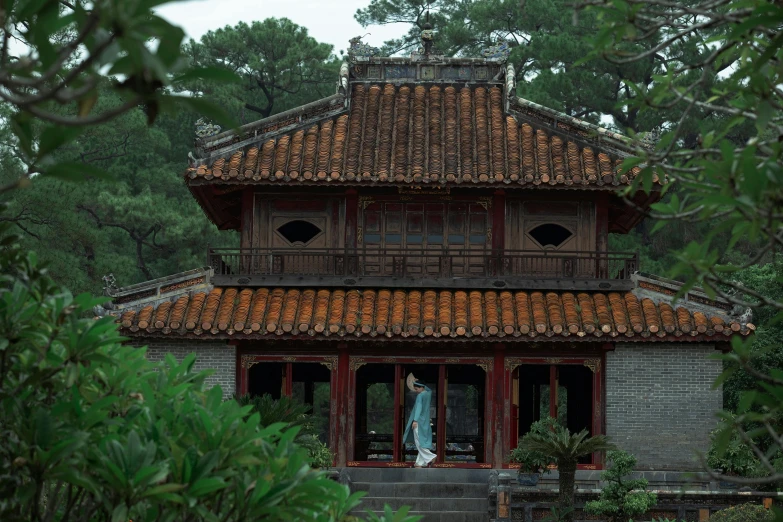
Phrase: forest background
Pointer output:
(145, 224)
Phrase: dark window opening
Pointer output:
(299, 232)
(550, 234)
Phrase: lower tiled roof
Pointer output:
(247, 312)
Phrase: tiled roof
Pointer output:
(438, 134)
(237, 313)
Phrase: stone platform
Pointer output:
(438, 494)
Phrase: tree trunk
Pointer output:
(567, 472)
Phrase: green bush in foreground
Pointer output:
(743, 513)
(92, 431)
(293, 415)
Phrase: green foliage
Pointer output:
(272, 411)
(555, 441)
(727, 181)
(321, 457)
(532, 461)
(143, 225)
(743, 513)
(390, 516)
(59, 58)
(557, 515)
(767, 350)
(280, 64)
(94, 431)
(546, 42)
(736, 458)
(621, 498)
(292, 414)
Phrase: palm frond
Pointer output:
(561, 444)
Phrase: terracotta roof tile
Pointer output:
(321, 310)
(420, 134)
(336, 310)
(233, 312)
(242, 309)
(178, 312)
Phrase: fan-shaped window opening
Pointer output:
(550, 235)
(299, 232)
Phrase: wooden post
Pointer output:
(340, 399)
(441, 412)
(398, 454)
(499, 396)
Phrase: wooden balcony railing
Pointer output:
(423, 267)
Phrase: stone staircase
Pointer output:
(438, 494)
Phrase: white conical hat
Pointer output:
(410, 380)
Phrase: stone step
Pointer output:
(451, 475)
(442, 516)
(422, 489)
(427, 504)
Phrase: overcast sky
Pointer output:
(329, 21)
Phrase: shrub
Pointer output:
(292, 414)
(92, 431)
(564, 448)
(737, 459)
(743, 513)
(621, 499)
(320, 456)
(533, 461)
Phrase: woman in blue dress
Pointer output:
(419, 424)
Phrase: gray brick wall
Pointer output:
(216, 355)
(660, 404)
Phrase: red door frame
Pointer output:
(595, 364)
(356, 362)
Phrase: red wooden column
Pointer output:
(553, 391)
(398, 454)
(351, 217)
(441, 409)
(340, 398)
(499, 401)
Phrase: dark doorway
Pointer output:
(563, 391)
(310, 385)
(465, 399)
(267, 378)
(375, 407)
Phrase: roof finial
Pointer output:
(427, 34)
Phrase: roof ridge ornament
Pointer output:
(204, 129)
(109, 285)
(498, 52)
(649, 139)
(359, 51)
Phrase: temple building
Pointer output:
(424, 219)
